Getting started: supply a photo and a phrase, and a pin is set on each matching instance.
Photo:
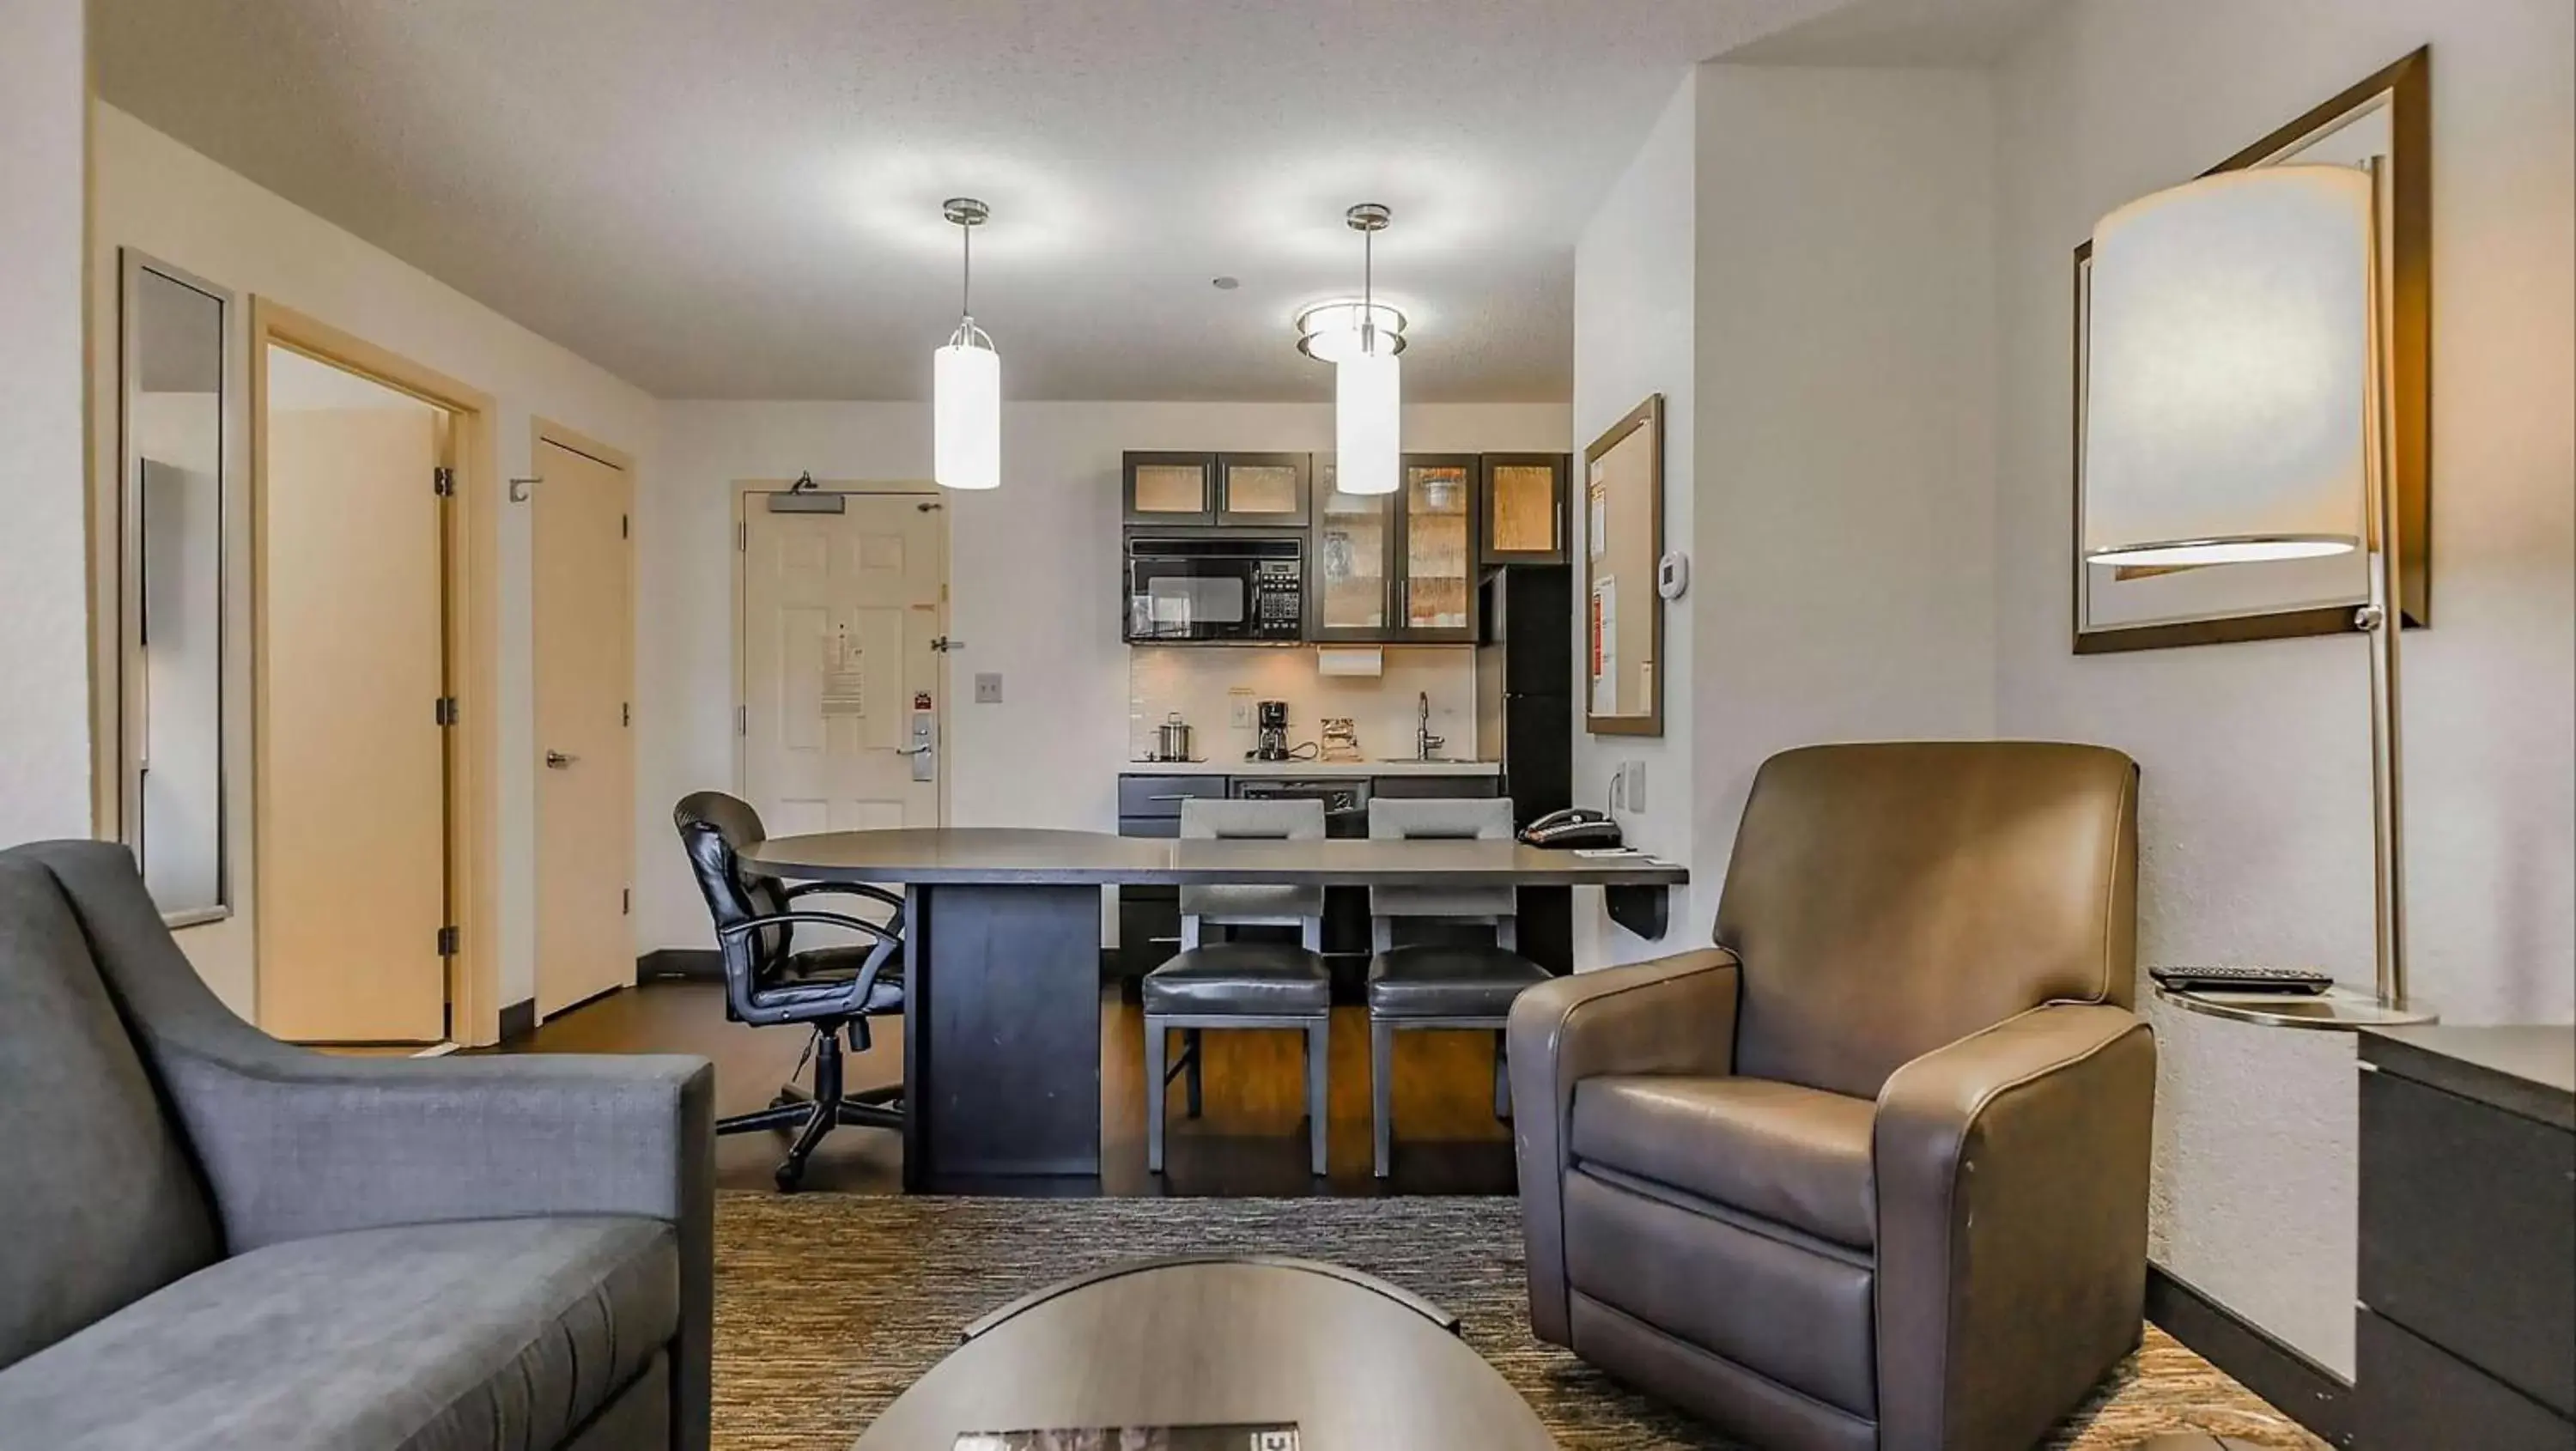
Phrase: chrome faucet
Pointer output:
(1424, 742)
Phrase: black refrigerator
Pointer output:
(1525, 720)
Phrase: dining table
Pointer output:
(1002, 998)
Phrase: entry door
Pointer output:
(840, 678)
(351, 772)
(584, 665)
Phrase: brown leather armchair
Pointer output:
(1872, 1171)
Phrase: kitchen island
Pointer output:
(1002, 926)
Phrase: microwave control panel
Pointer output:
(1278, 605)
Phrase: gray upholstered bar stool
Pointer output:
(1440, 984)
(1241, 984)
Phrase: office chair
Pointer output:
(767, 981)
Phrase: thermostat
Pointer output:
(1672, 575)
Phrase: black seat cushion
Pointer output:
(825, 975)
(1241, 977)
(1438, 980)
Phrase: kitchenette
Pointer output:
(1290, 639)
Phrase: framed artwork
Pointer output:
(2117, 607)
(1623, 538)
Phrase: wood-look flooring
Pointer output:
(1250, 1140)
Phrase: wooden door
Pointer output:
(841, 683)
(584, 669)
(350, 861)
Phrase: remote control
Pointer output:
(2303, 980)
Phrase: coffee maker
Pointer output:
(1270, 741)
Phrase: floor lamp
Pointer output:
(2236, 412)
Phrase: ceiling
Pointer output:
(742, 200)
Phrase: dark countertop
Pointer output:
(1013, 856)
(2526, 1069)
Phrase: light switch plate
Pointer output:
(1632, 784)
(1238, 708)
(988, 687)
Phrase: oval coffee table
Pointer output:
(1351, 1361)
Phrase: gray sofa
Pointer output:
(211, 1239)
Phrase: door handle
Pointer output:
(914, 750)
(557, 760)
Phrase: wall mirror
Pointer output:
(174, 418)
(1623, 537)
(2385, 118)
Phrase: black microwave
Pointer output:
(1215, 590)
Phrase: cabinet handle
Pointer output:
(1159, 941)
(1179, 796)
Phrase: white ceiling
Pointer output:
(1962, 34)
(741, 200)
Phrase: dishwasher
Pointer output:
(1345, 798)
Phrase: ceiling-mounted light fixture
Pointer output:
(1368, 382)
(1330, 331)
(966, 381)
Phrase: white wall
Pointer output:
(1845, 448)
(2256, 803)
(44, 631)
(1800, 260)
(1033, 587)
(1635, 270)
(152, 193)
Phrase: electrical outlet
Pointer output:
(988, 687)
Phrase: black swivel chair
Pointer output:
(768, 981)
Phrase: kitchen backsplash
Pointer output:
(1205, 683)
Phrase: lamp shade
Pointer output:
(1368, 400)
(2228, 370)
(966, 416)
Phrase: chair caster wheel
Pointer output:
(790, 1177)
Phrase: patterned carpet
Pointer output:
(828, 1306)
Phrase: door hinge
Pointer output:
(626, 901)
(621, 526)
(442, 482)
(447, 941)
(742, 720)
(929, 508)
(741, 537)
(446, 712)
(625, 713)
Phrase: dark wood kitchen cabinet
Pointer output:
(1396, 569)
(1524, 520)
(1257, 490)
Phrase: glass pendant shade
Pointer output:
(2227, 387)
(966, 414)
(1368, 401)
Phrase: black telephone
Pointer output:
(1575, 826)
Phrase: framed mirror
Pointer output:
(1623, 537)
(174, 423)
(2384, 119)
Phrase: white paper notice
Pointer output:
(1605, 645)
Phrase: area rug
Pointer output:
(827, 1306)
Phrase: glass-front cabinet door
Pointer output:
(1171, 488)
(1348, 567)
(1524, 516)
(1261, 489)
(1436, 585)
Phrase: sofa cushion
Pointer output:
(1796, 1156)
(435, 1337)
(102, 1204)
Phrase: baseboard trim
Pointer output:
(518, 1019)
(688, 962)
(2279, 1372)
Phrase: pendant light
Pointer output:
(966, 381)
(1368, 383)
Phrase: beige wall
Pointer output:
(2257, 796)
(44, 631)
(157, 195)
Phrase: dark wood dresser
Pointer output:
(2468, 1239)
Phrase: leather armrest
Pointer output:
(1673, 1015)
(2011, 1174)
